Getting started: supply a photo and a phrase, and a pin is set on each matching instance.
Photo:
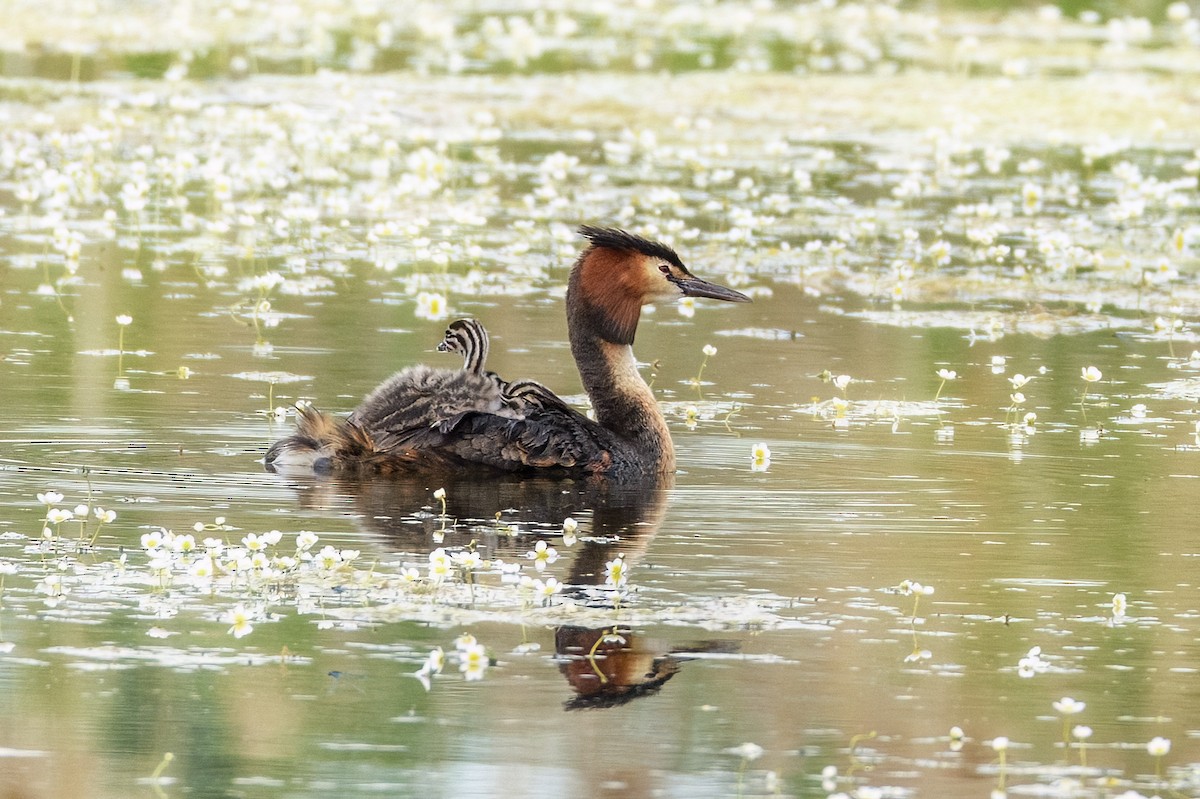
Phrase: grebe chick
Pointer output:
(525, 394)
(424, 419)
(469, 338)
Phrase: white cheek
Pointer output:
(665, 292)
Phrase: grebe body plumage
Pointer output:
(424, 419)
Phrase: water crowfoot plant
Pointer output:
(760, 457)
(56, 516)
(616, 576)
(275, 414)
(1090, 374)
(1081, 732)
(103, 517)
(829, 778)
(440, 496)
(840, 408)
(945, 375)
(156, 777)
(431, 306)
(435, 661)
(1118, 607)
(709, 351)
(734, 410)
(473, 659)
(610, 637)
(570, 528)
(1032, 663)
(1016, 398)
(1158, 747)
(1000, 747)
(1068, 707)
(542, 555)
(545, 591)
(748, 752)
(123, 321)
(239, 619)
(916, 591)
(1028, 423)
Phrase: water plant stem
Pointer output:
(167, 758)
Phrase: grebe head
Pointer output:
(620, 272)
(469, 339)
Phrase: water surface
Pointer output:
(275, 235)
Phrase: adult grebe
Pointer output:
(423, 419)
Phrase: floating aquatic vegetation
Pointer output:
(760, 457)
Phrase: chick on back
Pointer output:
(469, 338)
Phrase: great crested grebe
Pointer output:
(423, 419)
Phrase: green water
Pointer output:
(299, 224)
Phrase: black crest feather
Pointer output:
(622, 240)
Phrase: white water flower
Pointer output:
(570, 526)
(747, 751)
(431, 306)
(542, 555)
(760, 457)
(547, 589)
(239, 619)
(1032, 663)
(473, 661)
(615, 573)
(1068, 706)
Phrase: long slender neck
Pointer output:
(601, 344)
(475, 348)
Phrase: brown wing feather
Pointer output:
(542, 439)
